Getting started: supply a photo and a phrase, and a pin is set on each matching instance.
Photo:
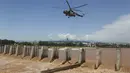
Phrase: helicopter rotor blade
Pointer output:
(77, 10)
(68, 4)
(80, 6)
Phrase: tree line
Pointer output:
(63, 43)
(113, 45)
(41, 43)
(6, 42)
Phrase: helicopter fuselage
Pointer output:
(69, 13)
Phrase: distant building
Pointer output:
(89, 44)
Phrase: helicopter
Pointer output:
(71, 12)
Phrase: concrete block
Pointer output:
(32, 52)
(1, 49)
(45, 52)
(5, 49)
(37, 50)
(52, 53)
(41, 53)
(14, 49)
(17, 50)
(63, 54)
(24, 51)
(117, 65)
(98, 58)
(28, 50)
(10, 51)
(81, 55)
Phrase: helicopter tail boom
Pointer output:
(80, 15)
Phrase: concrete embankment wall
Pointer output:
(107, 57)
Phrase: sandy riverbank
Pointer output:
(11, 64)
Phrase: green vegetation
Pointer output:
(113, 45)
(7, 42)
(65, 44)
(44, 43)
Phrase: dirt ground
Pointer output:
(17, 65)
(88, 70)
(11, 64)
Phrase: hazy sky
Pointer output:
(38, 20)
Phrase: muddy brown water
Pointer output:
(108, 56)
(125, 57)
